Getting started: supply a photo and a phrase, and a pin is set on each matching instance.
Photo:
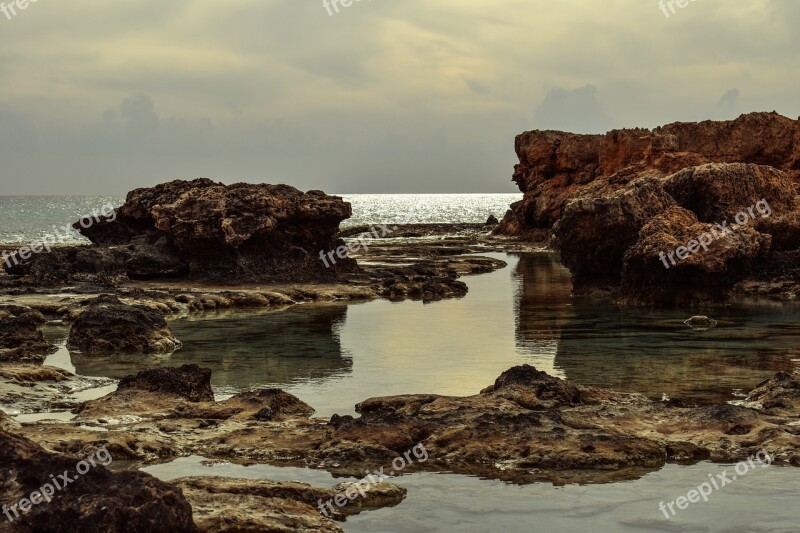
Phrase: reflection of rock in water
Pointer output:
(541, 306)
(246, 350)
(650, 351)
(655, 353)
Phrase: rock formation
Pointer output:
(20, 338)
(99, 500)
(203, 230)
(110, 327)
(525, 427)
(613, 203)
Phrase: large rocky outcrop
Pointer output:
(653, 274)
(598, 193)
(203, 230)
(595, 232)
(98, 500)
(555, 166)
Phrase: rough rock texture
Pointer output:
(97, 501)
(71, 264)
(202, 230)
(580, 186)
(555, 166)
(241, 231)
(289, 506)
(108, 327)
(223, 504)
(650, 276)
(20, 339)
(595, 233)
(527, 426)
(189, 382)
(719, 192)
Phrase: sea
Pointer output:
(335, 355)
(26, 219)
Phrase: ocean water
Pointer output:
(26, 219)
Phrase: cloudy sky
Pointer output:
(101, 96)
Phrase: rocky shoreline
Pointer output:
(119, 295)
(608, 204)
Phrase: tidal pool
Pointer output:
(333, 356)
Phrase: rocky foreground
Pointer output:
(617, 205)
(525, 427)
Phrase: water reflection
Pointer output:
(334, 356)
(247, 350)
(650, 351)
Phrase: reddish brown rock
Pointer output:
(595, 232)
(720, 192)
(555, 166)
(654, 273)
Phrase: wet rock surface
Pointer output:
(99, 500)
(220, 502)
(20, 338)
(527, 426)
(108, 326)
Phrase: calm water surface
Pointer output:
(334, 356)
(765, 500)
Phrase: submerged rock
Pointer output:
(108, 327)
(701, 323)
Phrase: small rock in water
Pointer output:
(701, 323)
(492, 221)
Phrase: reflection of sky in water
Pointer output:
(333, 356)
(763, 500)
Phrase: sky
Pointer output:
(385, 96)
